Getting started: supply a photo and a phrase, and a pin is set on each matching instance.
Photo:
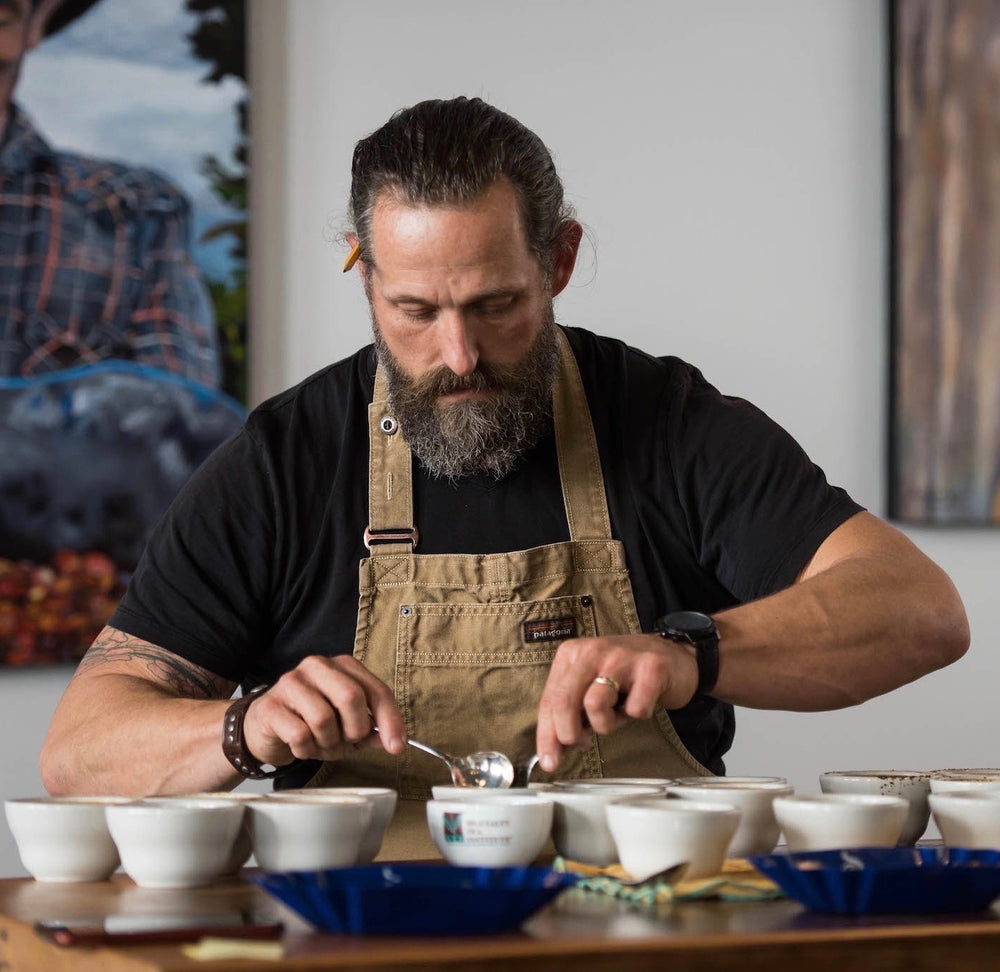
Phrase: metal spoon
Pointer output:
(523, 773)
(486, 769)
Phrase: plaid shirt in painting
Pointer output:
(94, 265)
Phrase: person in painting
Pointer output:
(95, 270)
(488, 531)
(94, 260)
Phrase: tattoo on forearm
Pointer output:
(170, 670)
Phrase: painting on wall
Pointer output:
(122, 292)
(945, 318)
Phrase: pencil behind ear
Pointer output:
(352, 257)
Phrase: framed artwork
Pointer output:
(944, 441)
(122, 292)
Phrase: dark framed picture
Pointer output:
(944, 434)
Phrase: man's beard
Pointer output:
(482, 435)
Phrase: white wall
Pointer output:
(729, 159)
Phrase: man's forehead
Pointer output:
(493, 215)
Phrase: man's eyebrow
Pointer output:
(498, 293)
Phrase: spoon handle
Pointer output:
(430, 750)
(423, 747)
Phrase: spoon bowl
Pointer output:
(483, 769)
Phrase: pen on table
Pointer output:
(352, 257)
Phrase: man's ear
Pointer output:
(38, 18)
(565, 256)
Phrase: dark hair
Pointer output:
(450, 151)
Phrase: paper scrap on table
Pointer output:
(212, 949)
(737, 881)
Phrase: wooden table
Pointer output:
(578, 932)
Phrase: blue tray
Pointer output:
(416, 899)
(887, 880)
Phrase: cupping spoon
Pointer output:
(482, 769)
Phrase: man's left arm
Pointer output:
(868, 613)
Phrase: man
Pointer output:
(94, 259)
(533, 499)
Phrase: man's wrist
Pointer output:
(234, 744)
(699, 632)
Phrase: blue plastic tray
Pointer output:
(896, 880)
(416, 899)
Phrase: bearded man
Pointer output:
(487, 531)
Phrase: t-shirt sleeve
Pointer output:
(757, 508)
(202, 586)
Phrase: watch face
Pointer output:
(689, 622)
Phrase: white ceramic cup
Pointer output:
(442, 792)
(961, 780)
(309, 833)
(968, 819)
(243, 845)
(383, 807)
(579, 824)
(658, 781)
(175, 842)
(501, 832)
(63, 838)
(831, 821)
(758, 830)
(730, 781)
(652, 834)
(913, 786)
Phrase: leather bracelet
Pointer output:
(234, 744)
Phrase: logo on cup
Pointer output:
(453, 828)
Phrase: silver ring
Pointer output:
(609, 681)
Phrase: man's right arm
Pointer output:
(137, 719)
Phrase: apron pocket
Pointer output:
(469, 677)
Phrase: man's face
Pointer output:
(21, 28)
(463, 324)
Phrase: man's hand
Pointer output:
(648, 669)
(320, 710)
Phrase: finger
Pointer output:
(288, 735)
(323, 680)
(381, 707)
(651, 680)
(602, 702)
(547, 745)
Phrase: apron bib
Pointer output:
(465, 641)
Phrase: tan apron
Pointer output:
(465, 641)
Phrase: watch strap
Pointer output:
(706, 648)
(234, 744)
(707, 655)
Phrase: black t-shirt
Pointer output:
(255, 565)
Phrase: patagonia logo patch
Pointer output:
(551, 629)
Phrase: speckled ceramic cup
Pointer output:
(959, 780)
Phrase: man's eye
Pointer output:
(497, 307)
(424, 314)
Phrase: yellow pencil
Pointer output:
(352, 257)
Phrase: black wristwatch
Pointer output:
(699, 630)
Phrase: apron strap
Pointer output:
(390, 467)
(391, 529)
(576, 447)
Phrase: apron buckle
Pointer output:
(391, 535)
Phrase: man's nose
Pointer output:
(459, 347)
